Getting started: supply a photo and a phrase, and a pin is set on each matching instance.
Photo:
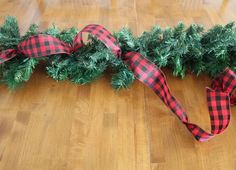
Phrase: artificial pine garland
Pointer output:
(179, 48)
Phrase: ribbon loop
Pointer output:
(102, 34)
(42, 45)
(226, 82)
(218, 98)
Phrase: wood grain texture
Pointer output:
(49, 125)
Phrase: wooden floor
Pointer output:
(48, 125)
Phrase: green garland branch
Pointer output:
(180, 48)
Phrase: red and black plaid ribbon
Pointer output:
(102, 34)
(219, 96)
(42, 45)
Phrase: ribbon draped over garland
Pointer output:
(220, 95)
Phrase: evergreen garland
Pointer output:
(180, 48)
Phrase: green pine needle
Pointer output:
(180, 48)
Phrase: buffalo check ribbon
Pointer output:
(42, 45)
(220, 95)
